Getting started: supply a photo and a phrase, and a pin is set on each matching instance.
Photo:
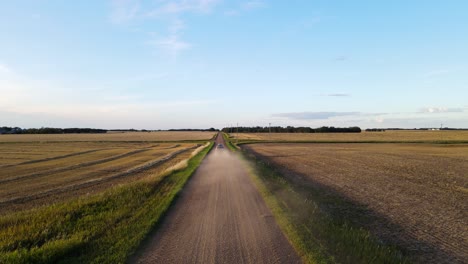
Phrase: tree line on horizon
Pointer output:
(51, 130)
(291, 129)
(423, 128)
(48, 130)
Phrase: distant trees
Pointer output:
(10, 130)
(375, 130)
(194, 129)
(290, 129)
(424, 128)
(49, 130)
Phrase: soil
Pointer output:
(418, 191)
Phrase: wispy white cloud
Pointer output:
(314, 115)
(436, 73)
(171, 44)
(245, 6)
(168, 7)
(176, 26)
(253, 4)
(440, 110)
(337, 95)
(231, 12)
(124, 10)
(169, 12)
(423, 118)
(4, 69)
(379, 119)
(311, 21)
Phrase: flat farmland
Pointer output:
(412, 195)
(387, 136)
(34, 173)
(89, 198)
(112, 136)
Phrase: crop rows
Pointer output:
(115, 137)
(411, 195)
(89, 169)
(387, 136)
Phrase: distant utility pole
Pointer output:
(237, 137)
(269, 130)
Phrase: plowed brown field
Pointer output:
(387, 136)
(419, 191)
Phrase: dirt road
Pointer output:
(220, 217)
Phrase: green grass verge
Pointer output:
(313, 221)
(104, 228)
(229, 143)
(245, 142)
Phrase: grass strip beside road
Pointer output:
(104, 228)
(229, 143)
(245, 142)
(316, 234)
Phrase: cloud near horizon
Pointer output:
(441, 110)
(337, 95)
(314, 115)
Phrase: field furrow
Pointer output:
(415, 194)
(73, 167)
(70, 169)
(82, 174)
(52, 158)
(95, 181)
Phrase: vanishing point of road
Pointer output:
(220, 217)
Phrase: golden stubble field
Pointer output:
(403, 135)
(113, 136)
(421, 189)
(38, 170)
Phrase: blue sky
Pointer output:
(210, 63)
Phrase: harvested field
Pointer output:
(103, 228)
(35, 174)
(127, 136)
(413, 195)
(399, 136)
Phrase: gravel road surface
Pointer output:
(220, 217)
